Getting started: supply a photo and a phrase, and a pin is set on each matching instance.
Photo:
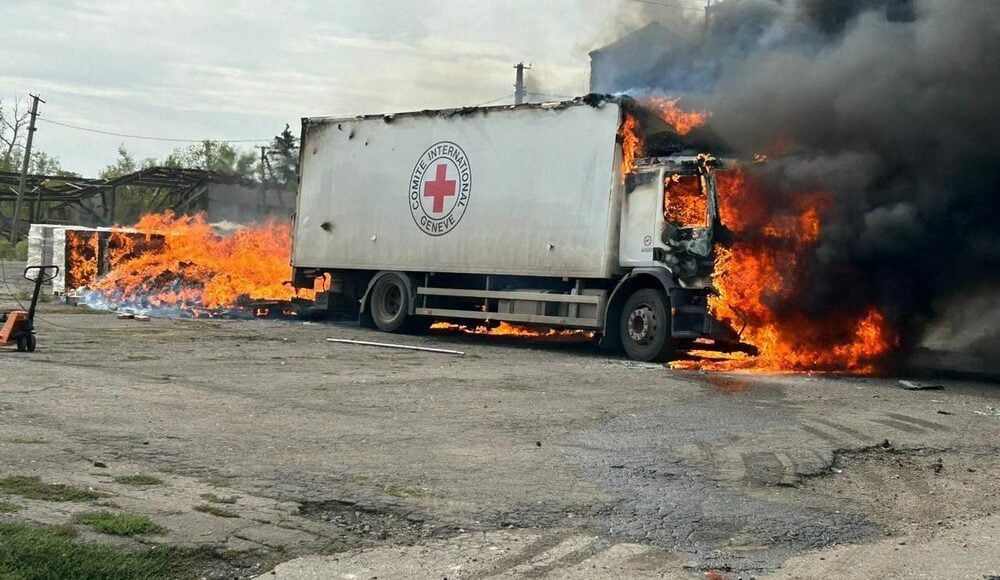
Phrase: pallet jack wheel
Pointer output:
(30, 343)
(22, 344)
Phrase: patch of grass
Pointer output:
(42, 553)
(138, 480)
(119, 524)
(400, 491)
(35, 488)
(139, 357)
(216, 511)
(215, 481)
(25, 440)
(9, 508)
(360, 479)
(217, 499)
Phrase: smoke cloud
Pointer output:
(890, 106)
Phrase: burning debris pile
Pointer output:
(183, 265)
(876, 211)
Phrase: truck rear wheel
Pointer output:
(389, 303)
(645, 326)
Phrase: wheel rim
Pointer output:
(642, 324)
(391, 302)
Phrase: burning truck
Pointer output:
(540, 214)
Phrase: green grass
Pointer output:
(217, 499)
(118, 524)
(138, 480)
(215, 481)
(35, 488)
(400, 491)
(9, 508)
(216, 511)
(51, 552)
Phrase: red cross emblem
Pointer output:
(440, 188)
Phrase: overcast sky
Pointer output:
(242, 69)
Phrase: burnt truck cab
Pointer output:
(670, 225)
(558, 232)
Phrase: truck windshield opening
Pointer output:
(684, 201)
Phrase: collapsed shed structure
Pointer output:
(95, 202)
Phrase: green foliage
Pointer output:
(119, 524)
(214, 156)
(35, 488)
(17, 252)
(9, 508)
(138, 480)
(49, 553)
(283, 160)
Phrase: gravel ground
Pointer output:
(518, 459)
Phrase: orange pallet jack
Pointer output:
(18, 325)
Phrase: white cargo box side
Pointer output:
(543, 192)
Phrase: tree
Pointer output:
(283, 160)
(214, 156)
(13, 126)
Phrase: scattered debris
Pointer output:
(126, 316)
(142, 317)
(990, 412)
(918, 386)
(399, 346)
(945, 413)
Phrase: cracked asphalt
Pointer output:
(518, 459)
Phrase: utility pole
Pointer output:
(709, 8)
(24, 169)
(519, 90)
(263, 163)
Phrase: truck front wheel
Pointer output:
(645, 326)
(390, 303)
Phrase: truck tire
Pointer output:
(389, 303)
(645, 326)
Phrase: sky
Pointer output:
(189, 69)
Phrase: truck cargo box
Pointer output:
(526, 190)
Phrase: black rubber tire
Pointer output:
(389, 303)
(645, 326)
(22, 344)
(31, 343)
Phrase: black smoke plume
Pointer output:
(891, 106)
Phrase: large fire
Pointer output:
(755, 278)
(185, 263)
(666, 109)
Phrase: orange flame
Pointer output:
(630, 132)
(684, 203)
(631, 144)
(81, 258)
(758, 270)
(681, 120)
(184, 263)
(507, 329)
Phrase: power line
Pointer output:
(669, 5)
(495, 100)
(146, 137)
